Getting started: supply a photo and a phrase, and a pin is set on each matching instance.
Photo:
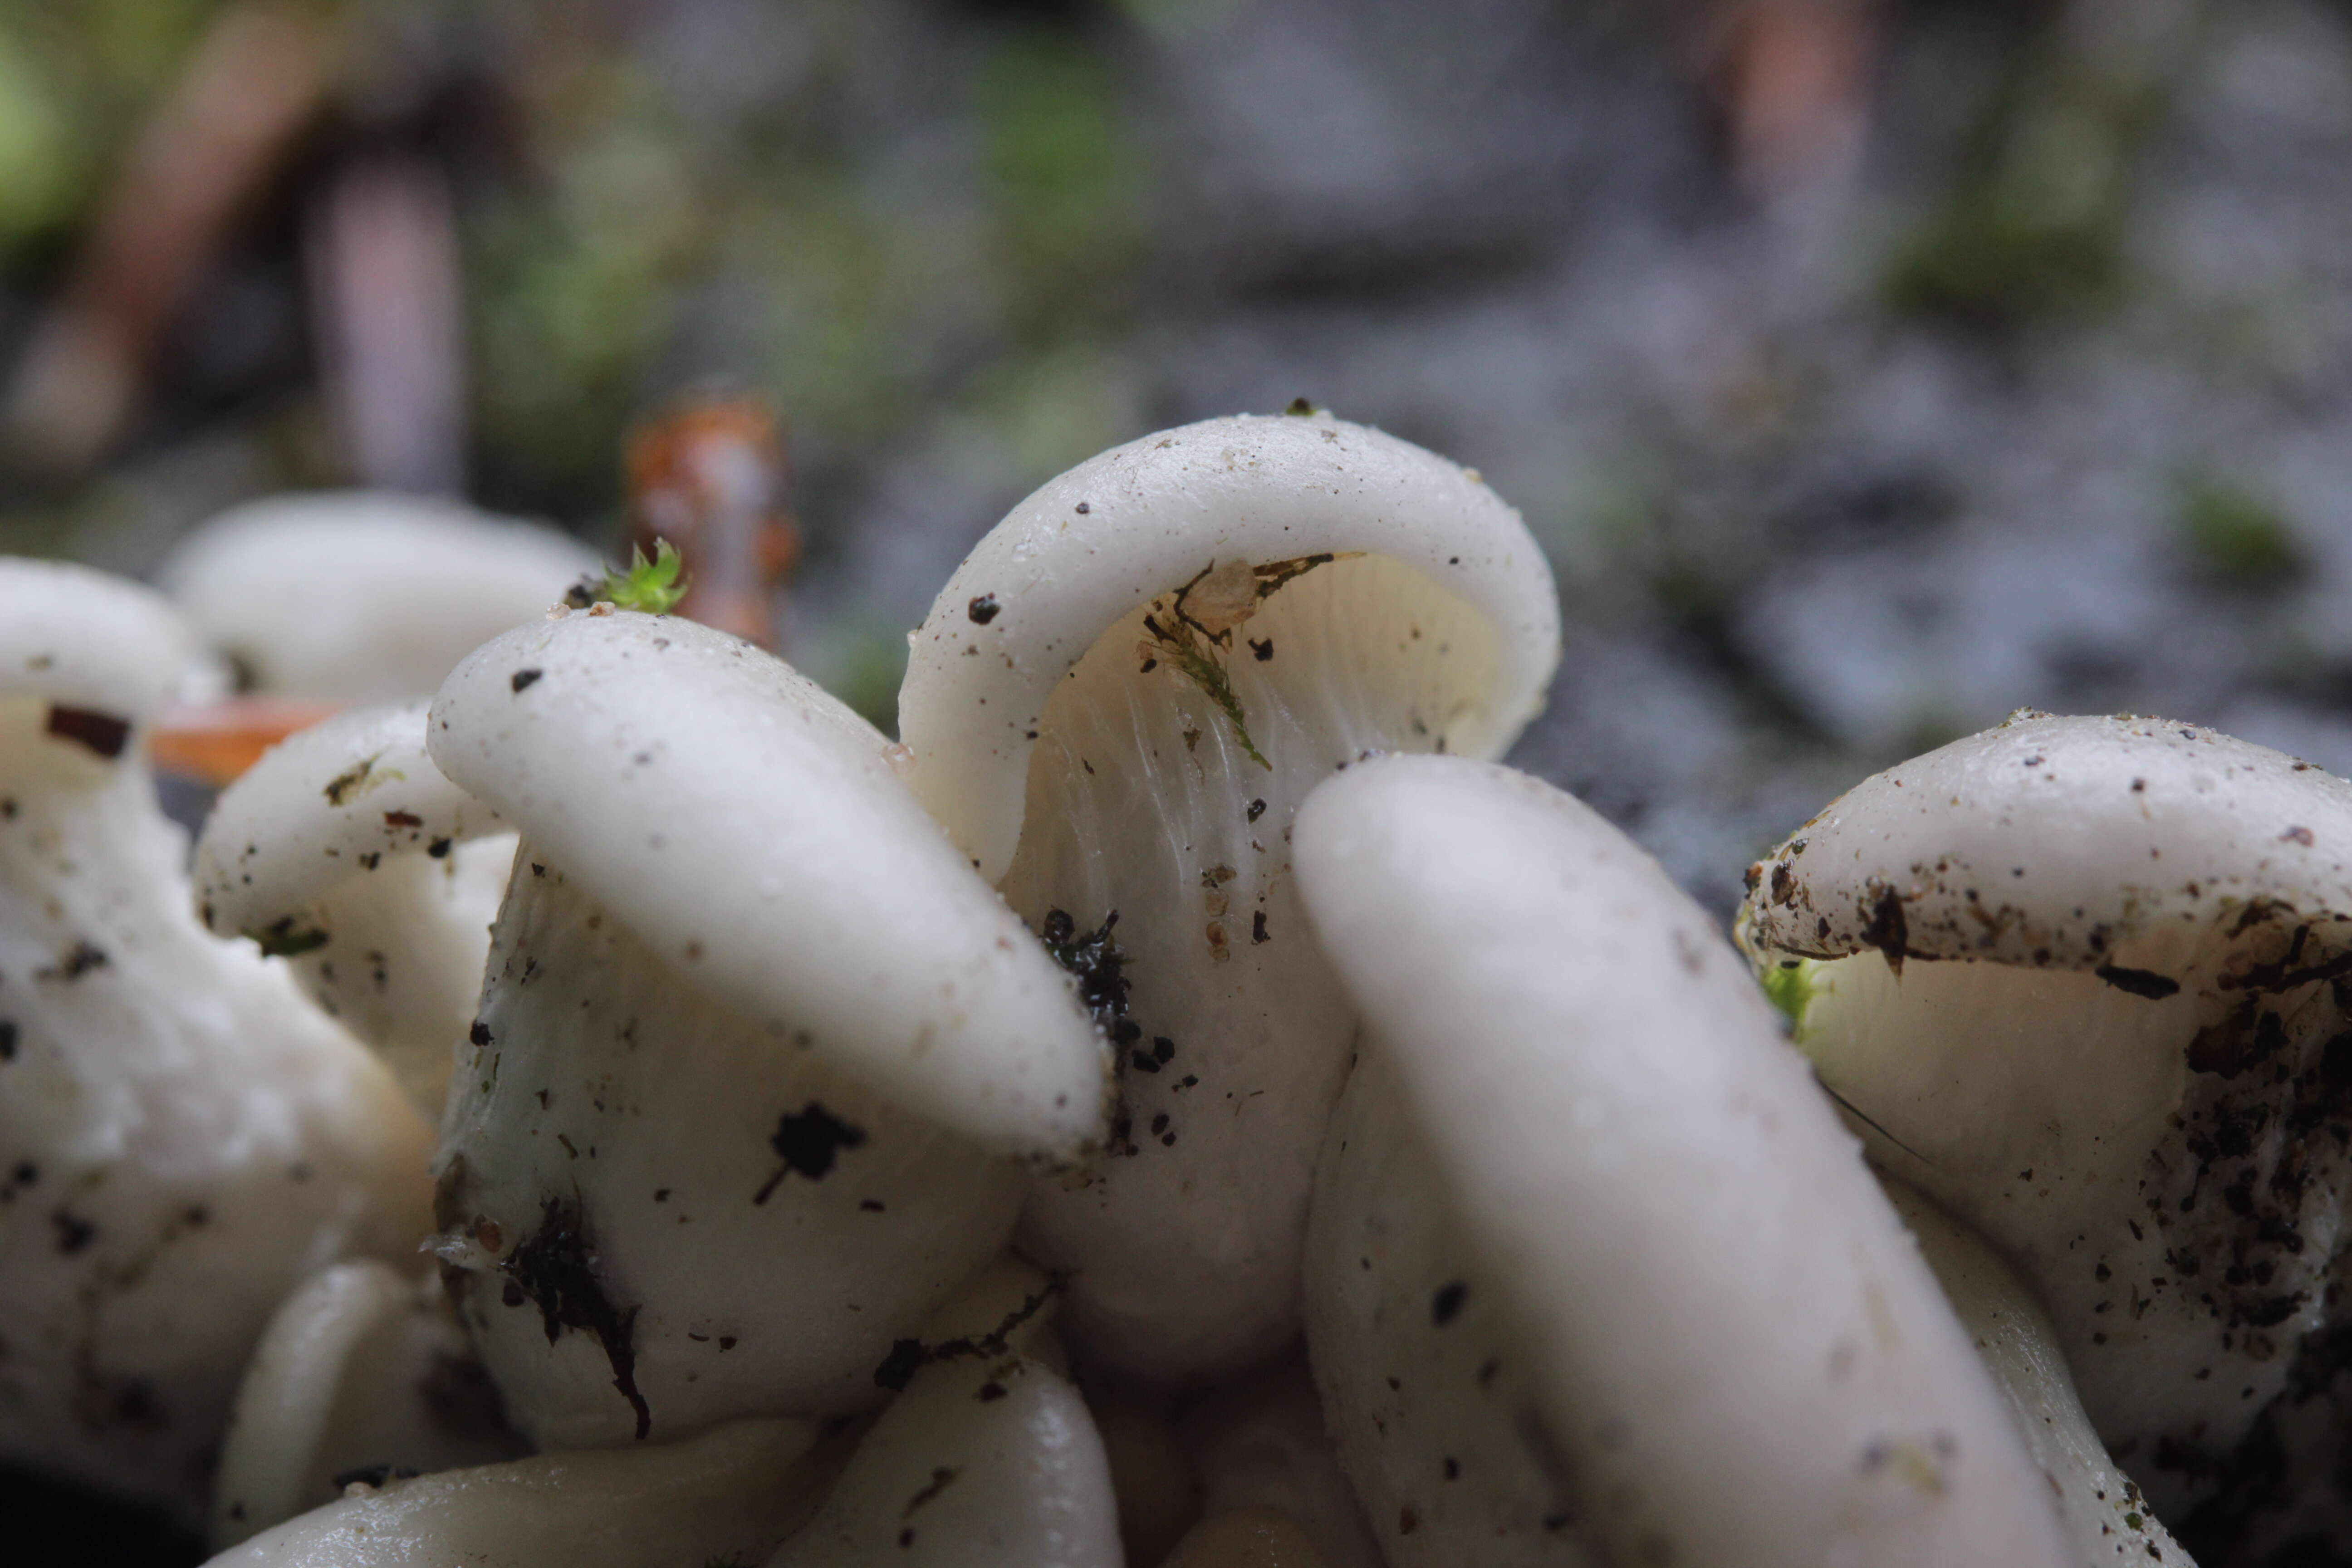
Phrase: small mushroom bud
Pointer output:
(186, 1137)
(1731, 1346)
(363, 596)
(725, 1496)
(756, 1051)
(1114, 707)
(364, 1371)
(988, 1458)
(2078, 981)
(345, 851)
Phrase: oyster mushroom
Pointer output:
(364, 596)
(756, 1051)
(183, 1136)
(364, 1371)
(988, 1457)
(724, 1497)
(1731, 1349)
(2078, 981)
(345, 851)
(2101, 1507)
(1114, 707)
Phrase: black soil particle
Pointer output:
(103, 733)
(907, 1357)
(522, 680)
(1099, 965)
(983, 609)
(1446, 1305)
(2138, 981)
(555, 1269)
(809, 1141)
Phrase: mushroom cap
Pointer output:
(361, 596)
(750, 829)
(78, 638)
(981, 1464)
(1735, 1344)
(726, 1495)
(2057, 843)
(1101, 540)
(308, 816)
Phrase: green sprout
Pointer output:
(652, 586)
(1789, 986)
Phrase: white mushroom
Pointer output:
(2079, 981)
(363, 1371)
(364, 596)
(183, 1136)
(753, 1047)
(1114, 706)
(724, 1497)
(1734, 1349)
(2100, 1506)
(346, 851)
(988, 1458)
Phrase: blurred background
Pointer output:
(1868, 367)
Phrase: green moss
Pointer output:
(652, 586)
(281, 938)
(2235, 536)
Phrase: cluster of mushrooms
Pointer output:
(1183, 1104)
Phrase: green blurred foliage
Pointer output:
(2235, 536)
(74, 79)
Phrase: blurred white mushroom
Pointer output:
(1735, 1352)
(2080, 981)
(184, 1138)
(988, 1458)
(345, 851)
(1114, 706)
(727, 1496)
(753, 1049)
(364, 1371)
(2100, 1506)
(364, 596)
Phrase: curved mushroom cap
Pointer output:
(989, 1457)
(2060, 842)
(1735, 1346)
(1117, 705)
(1097, 544)
(725, 1496)
(346, 851)
(1425, 1392)
(2122, 1068)
(364, 596)
(749, 829)
(2100, 1506)
(363, 1369)
(84, 641)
